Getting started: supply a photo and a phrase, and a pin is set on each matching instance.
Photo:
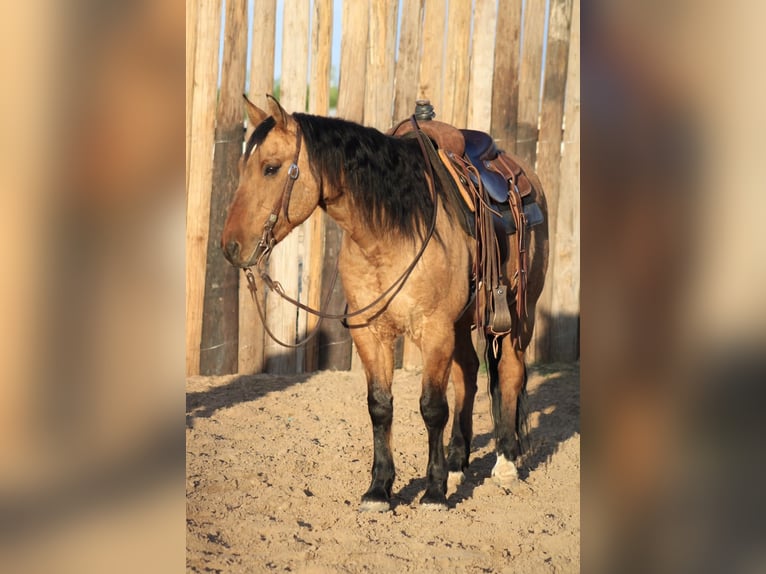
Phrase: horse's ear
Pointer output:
(255, 114)
(279, 113)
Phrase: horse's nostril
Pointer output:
(231, 250)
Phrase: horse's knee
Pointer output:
(434, 407)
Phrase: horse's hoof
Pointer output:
(374, 506)
(375, 500)
(437, 506)
(433, 501)
(504, 472)
(456, 478)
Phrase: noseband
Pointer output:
(267, 240)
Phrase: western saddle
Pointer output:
(497, 195)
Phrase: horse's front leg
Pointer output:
(437, 347)
(377, 356)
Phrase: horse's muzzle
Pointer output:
(231, 251)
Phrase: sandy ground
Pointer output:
(276, 467)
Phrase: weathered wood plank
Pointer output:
(334, 339)
(431, 79)
(353, 60)
(290, 255)
(505, 81)
(200, 174)
(379, 86)
(262, 54)
(549, 157)
(406, 84)
(220, 321)
(565, 306)
(192, 9)
(456, 72)
(552, 108)
(251, 334)
(319, 103)
(530, 74)
(482, 61)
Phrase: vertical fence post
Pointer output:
(251, 334)
(353, 60)
(379, 86)
(220, 339)
(482, 58)
(289, 259)
(530, 73)
(319, 103)
(200, 174)
(505, 80)
(549, 158)
(431, 80)
(192, 9)
(406, 88)
(351, 97)
(565, 305)
(456, 73)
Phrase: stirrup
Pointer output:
(500, 322)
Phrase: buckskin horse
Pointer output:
(408, 264)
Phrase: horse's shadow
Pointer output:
(557, 400)
(241, 389)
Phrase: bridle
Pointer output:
(268, 241)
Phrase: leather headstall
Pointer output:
(267, 240)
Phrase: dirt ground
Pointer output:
(276, 467)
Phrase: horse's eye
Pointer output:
(271, 169)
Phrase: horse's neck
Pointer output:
(358, 231)
(342, 211)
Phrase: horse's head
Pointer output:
(277, 190)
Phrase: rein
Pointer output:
(267, 241)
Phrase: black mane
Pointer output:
(384, 175)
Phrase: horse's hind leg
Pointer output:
(465, 366)
(507, 381)
(437, 350)
(378, 359)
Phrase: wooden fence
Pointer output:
(481, 65)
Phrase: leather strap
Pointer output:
(282, 203)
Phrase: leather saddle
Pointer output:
(497, 173)
(498, 195)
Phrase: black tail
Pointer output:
(522, 419)
(493, 384)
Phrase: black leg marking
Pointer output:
(435, 411)
(457, 460)
(380, 404)
(462, 427)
